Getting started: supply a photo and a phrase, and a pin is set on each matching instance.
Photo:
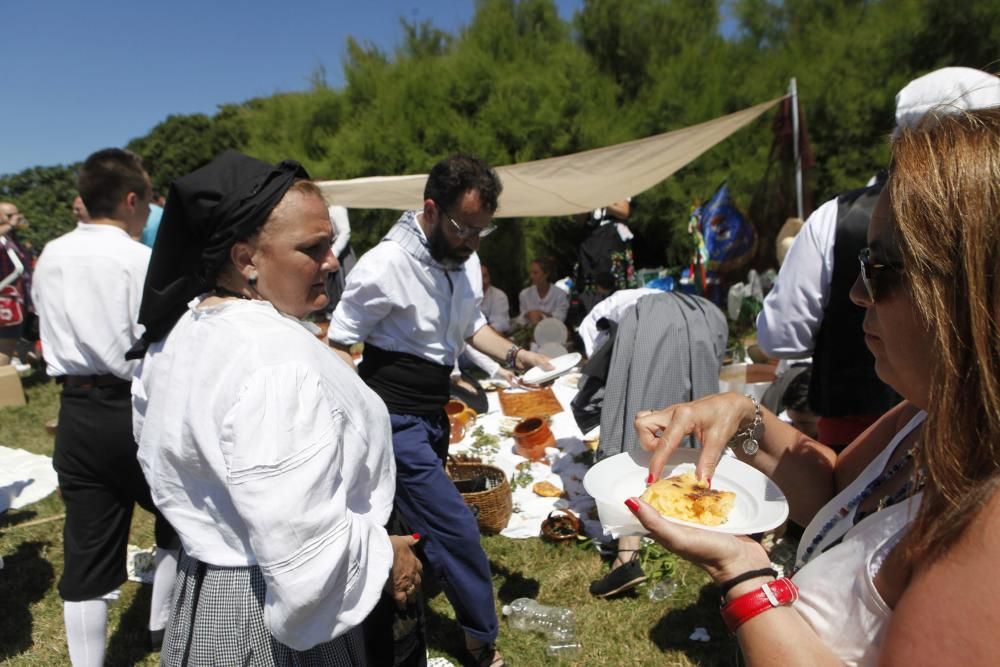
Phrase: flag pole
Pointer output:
(793, 91)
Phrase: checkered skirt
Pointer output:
(217, 618)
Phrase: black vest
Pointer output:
(843, 381)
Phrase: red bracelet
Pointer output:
(777, 593)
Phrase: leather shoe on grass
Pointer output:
(619, 580)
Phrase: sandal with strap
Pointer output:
(486, 656)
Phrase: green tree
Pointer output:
(181, 144)
(519, 83)
(44, 195)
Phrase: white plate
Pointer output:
(550, 330)
(760, 505)
(560, 366)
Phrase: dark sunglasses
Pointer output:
(870, 272)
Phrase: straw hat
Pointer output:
(786, 235)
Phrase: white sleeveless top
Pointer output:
(837, 594)
(874, 469)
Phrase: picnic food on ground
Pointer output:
(537, 403)
(684, 497)
(547, 489)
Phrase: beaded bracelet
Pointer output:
(511, 359)
(748, 435)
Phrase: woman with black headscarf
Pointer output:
(266, 452)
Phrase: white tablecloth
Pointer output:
(24, 478)
(559, 468)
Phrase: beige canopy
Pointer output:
(567, 184)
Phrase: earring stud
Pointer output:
(252, 279)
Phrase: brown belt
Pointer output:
(91, 381)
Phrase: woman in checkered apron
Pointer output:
(265, 451)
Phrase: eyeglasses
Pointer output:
(870, 272)
(467, 232)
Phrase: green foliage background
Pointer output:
(519, 83)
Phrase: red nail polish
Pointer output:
(632, 505)
(415, 536)
(649, 479)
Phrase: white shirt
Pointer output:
(613, 307)
(262, 447)
(793, 310)
(400, 304)
(555, 303)
(87, 289)
(341, 229)
(496, 309)
(485, 362)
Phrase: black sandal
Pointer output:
(483, 656)
(625, 577)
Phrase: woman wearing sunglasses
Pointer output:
(897, 564)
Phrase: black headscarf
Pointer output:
(207, 212)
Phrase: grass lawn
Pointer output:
(631, 630)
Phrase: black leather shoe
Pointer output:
(621, 579)
(155, 640)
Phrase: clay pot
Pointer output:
(531, 437)
(460, 419)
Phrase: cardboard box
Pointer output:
(11, 391)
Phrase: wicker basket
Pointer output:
(492, 506)
(561, 527)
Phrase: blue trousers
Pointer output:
(429, 502)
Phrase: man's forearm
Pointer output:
(488, 341)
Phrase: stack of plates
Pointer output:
(552, 350)
(550, 330)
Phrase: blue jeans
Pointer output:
(431, 505)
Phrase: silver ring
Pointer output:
(659, 433)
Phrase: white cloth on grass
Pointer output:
(262, 448)
(25, 478)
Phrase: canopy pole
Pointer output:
(793, 91)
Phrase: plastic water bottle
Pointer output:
(661, 590)
(563, 648)
(554, 622)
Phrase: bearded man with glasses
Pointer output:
(414, 301)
